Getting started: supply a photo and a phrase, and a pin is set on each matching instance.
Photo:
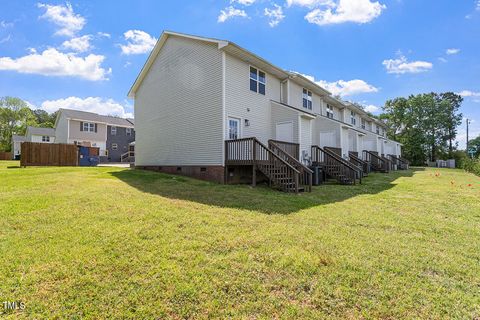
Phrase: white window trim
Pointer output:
(116, 146)
(90, 126)
(128, 131)
(113, 130)
(258, 79)
(309, 98)
(227, 126)
(329, 109)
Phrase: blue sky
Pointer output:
(86, 54)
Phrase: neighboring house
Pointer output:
(41, 135)
(112, 135)
(16, 146)
(194, 95)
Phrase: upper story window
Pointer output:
(377, 129)
(383, 132)
(353, 118)
(307, 99)
(45, 139)
(364, 123)
(128, 131)
(257, 80)
(89, 126)
(113, 131)
(329, 111)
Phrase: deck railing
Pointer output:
(291, 148)
(401, 163)
(305, 172)
(359, 162)
(250, 151)
(377, 162)
(127, 156)
(336, 166)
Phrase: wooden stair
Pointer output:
(355, 160)
(377, 163)
(277, 165)
(336, 167)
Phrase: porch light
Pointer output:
(247, 123)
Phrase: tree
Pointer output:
(475, 143)
(424, 123)
(45, 119)
(15, 116)
(454, 117)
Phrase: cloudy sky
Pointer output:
(86, 54)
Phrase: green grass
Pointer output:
(116, 243)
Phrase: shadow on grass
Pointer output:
(261, 198)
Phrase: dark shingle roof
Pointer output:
(95, 117)
(41, 131)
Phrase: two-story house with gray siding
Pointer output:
(213, 110)
(112, 135)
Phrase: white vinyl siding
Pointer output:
(244, 104)
(282, 114)
(305, 136)
(178, 106)
(61, 130)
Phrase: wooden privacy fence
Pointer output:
(48, 154)
(5, 155)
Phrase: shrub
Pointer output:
(471, 165)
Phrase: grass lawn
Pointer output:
(112, 242)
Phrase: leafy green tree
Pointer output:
(454, 117)
(15, 116)
(475, 143)
(45, 119)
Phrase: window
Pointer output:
(378, 129)
(233, 128)
(353, 119)
(45, 139)
(113, 131)
(89, 126)
(128, 131)
(364, 124)
(383, 132)
(307, 99)
(257, 80)
(114, 146)
(329, 111)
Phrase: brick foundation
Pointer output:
(209, 173)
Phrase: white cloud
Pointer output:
(243, 2)
(358, 11)
(6, 39)
(468, 93)
(452, 51)
(230, 12)
(138, 42)
(276, 15)
(402, 65)
(371, 108)
(5, 24)
(64, 17)
(79, 44)
(54, 63)
(104, 34)
(345, 88)
(310, 3)
(90, 104)
(478, 5)
(442, 59)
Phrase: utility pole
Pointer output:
(468, 122)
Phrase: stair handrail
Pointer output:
(363, 163)
(353, 167)
(259, 163)
(304, 170)
(353, 173)
(376, 157)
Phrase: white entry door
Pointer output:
(284, 131)
(233, 129)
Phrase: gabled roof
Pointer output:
(17, 138)
(41, 131)
(224, 45)
(95, 117)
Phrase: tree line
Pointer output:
(16, 116)
(426, 124)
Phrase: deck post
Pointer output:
(254, 166)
